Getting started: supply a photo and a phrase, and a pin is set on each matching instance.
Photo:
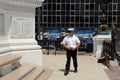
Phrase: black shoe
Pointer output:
(75, 70)
(66, 73)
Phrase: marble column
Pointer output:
(17, 31)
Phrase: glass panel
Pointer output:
(58, 1)
(72, 12)
(54, 6)
(67, 1)
(72, 19)
(45, 19)
(45, 6)
(49, 7)
(63, 7)
(72, 1)
(63, 19)
(72, 7)
(53, 1)
(58, 18)
(67, 19)
(49, 1)
(77, 19)
(91, 6)
(67, 6)
(58, 6)
(53, 19)
(58, 12)
(114, 7)
(86, 19)
(63, 1)
(49, 18)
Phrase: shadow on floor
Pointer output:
(63, 70)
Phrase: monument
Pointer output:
(17, 29)
(103, 33)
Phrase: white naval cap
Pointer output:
(70, 29)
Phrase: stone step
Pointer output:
(34, 74)
(19, 73)
(45, 75)
(8, 59)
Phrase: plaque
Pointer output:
(22, 27)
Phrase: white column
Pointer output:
(98, 44)
(17, 31)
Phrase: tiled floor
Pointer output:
(88, 68)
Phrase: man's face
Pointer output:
(71, 33)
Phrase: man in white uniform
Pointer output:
(71, 43)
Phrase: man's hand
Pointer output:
(72, 48)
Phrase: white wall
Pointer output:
(6, 13)
(2, 30)
(22, 46)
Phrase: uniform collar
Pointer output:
(71, 36)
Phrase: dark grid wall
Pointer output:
(75, 13)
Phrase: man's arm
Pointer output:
(64, 44)
(66, 47)
(77, 45)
